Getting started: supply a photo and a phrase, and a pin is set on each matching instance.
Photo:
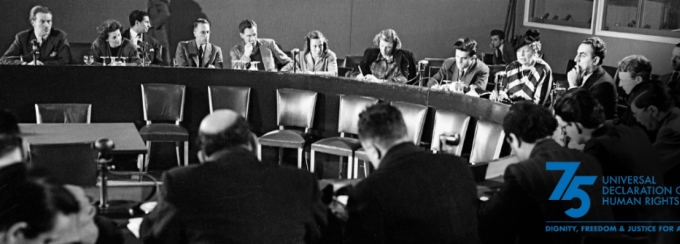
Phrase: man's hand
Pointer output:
(248, 49)
(371, 78)
(575, 77)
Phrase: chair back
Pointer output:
(352, 61)
(350, 108)
(163, 102)
(63, 113)
(68, 163)
(236, 98)
(414, 117)
(487, 142)
(295, 107)
(493, 70)
(344, 71)
(449, 122)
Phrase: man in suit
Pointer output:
(654, 109)
(231, 197)
(414, 196)
(199, 52)
(589, 74)
(110, 43)
(672, 79)
(621, 150)
(503, 52)
(265, 51)
(634, 77)
(463, 67)
(49, 44)
(137, 34)
(519, 211)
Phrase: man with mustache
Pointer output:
(49, 45)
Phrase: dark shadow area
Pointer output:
(183, 13)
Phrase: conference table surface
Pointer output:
(124, 135)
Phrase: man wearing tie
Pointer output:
(137, 34)
(672, 80)
(463, 67)
(263, 50)
(199, 52)
(503, 53)
(49, 44)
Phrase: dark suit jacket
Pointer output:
(674, 85)
(236, 199)
(602, 86)
(153, 43)
(404, 59)
(414, 197)
(519, 211)
(53, 51)
(100, 49)
(477, 74)
(508, 56)
(623, 151)
(187, 55)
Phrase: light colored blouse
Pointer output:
(326, 65)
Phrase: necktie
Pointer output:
(200, 56)
(674, 76)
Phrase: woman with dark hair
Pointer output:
(316, 58)
(529, 77)
(388, 62)
(110, 43)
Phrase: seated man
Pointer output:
(503, 52)
(414, 196)
(654, 109)
(49, 44)
(388, 62)
(199, 52)
(463, 67)
(231, 197)
(634, 73)
(589, 74)
(621, 150)
(262, 50)
(519, 211)
(316, 58)
(529, 78)
(137, 34)
(110, 43)
(32, 211)
(672, 79)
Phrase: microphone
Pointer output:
(34, 44)
(295, 52)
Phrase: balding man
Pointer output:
(231, 197)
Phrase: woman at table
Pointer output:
(316, 58)
(110, 43)
(529, 77)
(388, 62)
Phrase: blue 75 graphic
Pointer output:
(573, 191)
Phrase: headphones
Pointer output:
(315, 35)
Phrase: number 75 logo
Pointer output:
(573, 191)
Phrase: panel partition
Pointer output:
(115, 94)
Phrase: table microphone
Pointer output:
(36, 52)
(295, 52)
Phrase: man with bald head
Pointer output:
(231, 197)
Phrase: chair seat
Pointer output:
(164, 132)
(284, 138)
(360, 154)
(337, 146)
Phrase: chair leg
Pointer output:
(259, 152)
(179, 158)
(356, 170)
(280, 155)
(140, 162)
(300, 153)
(148, 156)
(186, 153)
(350, 160)
(356, 161)
(313, 161)
(349, 168)
(366, 168)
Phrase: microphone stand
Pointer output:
(295, 53)
(35, 52)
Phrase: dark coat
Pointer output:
(101, 48)
(602, 86)
(187, 55)
(508, 56)
(236, 199)
(414, 197)
(153, 43)
(674, 85)
(404, 58)
(477, 74)
(54, 50)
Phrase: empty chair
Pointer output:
(63, 113)
(449, 122)
(68, 163)
(487, 142)
(433, 65)
(293, 108)
(344, 71)
(164, 102)
(414, 117)
(236, 98)
(348, 119)
(352, 61)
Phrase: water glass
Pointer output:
(88, 59)
(253, 65)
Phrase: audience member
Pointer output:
(672, 79)
(387, 63)
(159, 13)
(48, 44)
(199, 52)
(232, 197)
(634, 74)
(463, 67)
(589, 74)
(316, 58)
(529, 78)
(519, 211)
(503, 53)
(110, 43)
(620, 149)
(137, 34)
(263, 50)
(414, 196)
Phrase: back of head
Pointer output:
(466, 45)
(637, 65)
(38, 9)
(529, 122)
(499, 33)
(137, 15)
(654, 93)
(246, 24)
(383, 124)
(599, 47)
(579, 105)
(223, 129)
(388, 35)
